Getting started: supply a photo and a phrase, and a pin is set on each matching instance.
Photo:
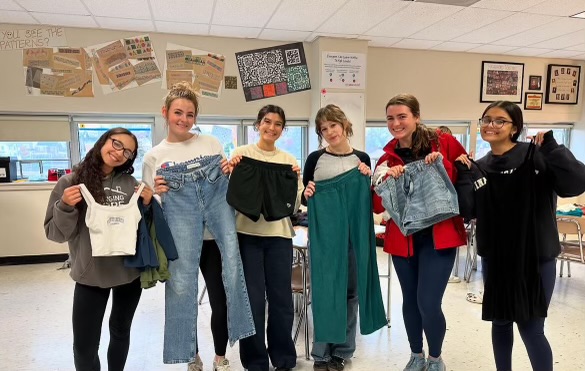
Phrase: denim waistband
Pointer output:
(419, 166)
(265, 164)
(195, 167)
(338, 179)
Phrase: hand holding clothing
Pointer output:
(71, 195)
(160, 185)
(146, 194)
(310, 190)
(396, 171)
(364, 169)
(432, 157)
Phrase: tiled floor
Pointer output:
(35, 330)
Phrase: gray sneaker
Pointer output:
(223, 365)
(417, 362)
(436, 365)
(196, 365)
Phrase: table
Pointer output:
(388, 275)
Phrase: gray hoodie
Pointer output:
(64, 223)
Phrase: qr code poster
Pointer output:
(125, 63)
(274, 71)
(58, 72)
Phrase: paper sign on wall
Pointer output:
(343, 70)
(34, 37)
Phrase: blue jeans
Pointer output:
(423, 279)
(421, 197)
(196, 198)
(323, 351)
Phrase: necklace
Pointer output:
(267, 154)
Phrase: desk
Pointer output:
(571, 250)
(388, 275)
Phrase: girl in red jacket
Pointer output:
(423, 260)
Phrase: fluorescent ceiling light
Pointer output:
(579, 15)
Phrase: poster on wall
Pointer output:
(343, 70)
(58, 72)
(501, 81)
(562, 84)
(274, 71)
(204, 70)
(32, 37)
(125, 63)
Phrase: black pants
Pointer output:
(89, 306)
(531, 331)
(268, 268)
(210, 266)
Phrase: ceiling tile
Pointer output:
(528, 52)
(66, 20)
(560, 54)
(55, 6)
(315, 35)
(182, 28)
(580, 57)
(492, 49)
(143, 25)
(562, 42)
(580, 47)
(380, 41)
(561, 26)
(461, 23)
(363, 14)
(413, 18)
(506, 27)
(136, 9)
(283, 35)
(303, 15)
(244, 13)
(455, 47)
(510, 5)
(10, 5)
(415, 44)
(184, 11)
(231, 31)
(9, 16)
(555, 7)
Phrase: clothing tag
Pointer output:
(167, 164)
(193, 165)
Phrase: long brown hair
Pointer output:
(89, 170)
(423, 137)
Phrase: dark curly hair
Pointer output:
(89, 170)
(269, 108)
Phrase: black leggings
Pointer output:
(210, 266)
(531, 331)
(89, 306)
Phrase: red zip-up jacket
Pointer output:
(447, 234)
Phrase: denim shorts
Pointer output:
(421, 197)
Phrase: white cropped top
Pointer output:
(112, 229)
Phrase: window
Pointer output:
(90, 129)
(377, 135)
(227, 131)
(293, 139)
(37, 142)
(561, 132)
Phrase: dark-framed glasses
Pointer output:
(128, 154)
(498, 123)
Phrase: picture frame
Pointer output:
(532, 101)
(501, 81)
(534, 82)
(562, 84)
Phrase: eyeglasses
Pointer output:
(128, 154)
(498, 124)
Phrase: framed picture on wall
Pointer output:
(534, 82)
(562, 84)
(533, 101)
(501, 81)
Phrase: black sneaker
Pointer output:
(336, 364)
(320, 365)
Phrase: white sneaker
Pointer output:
(454, 279)
(196, 365)
(223, 365)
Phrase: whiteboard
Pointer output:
(353, 105)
